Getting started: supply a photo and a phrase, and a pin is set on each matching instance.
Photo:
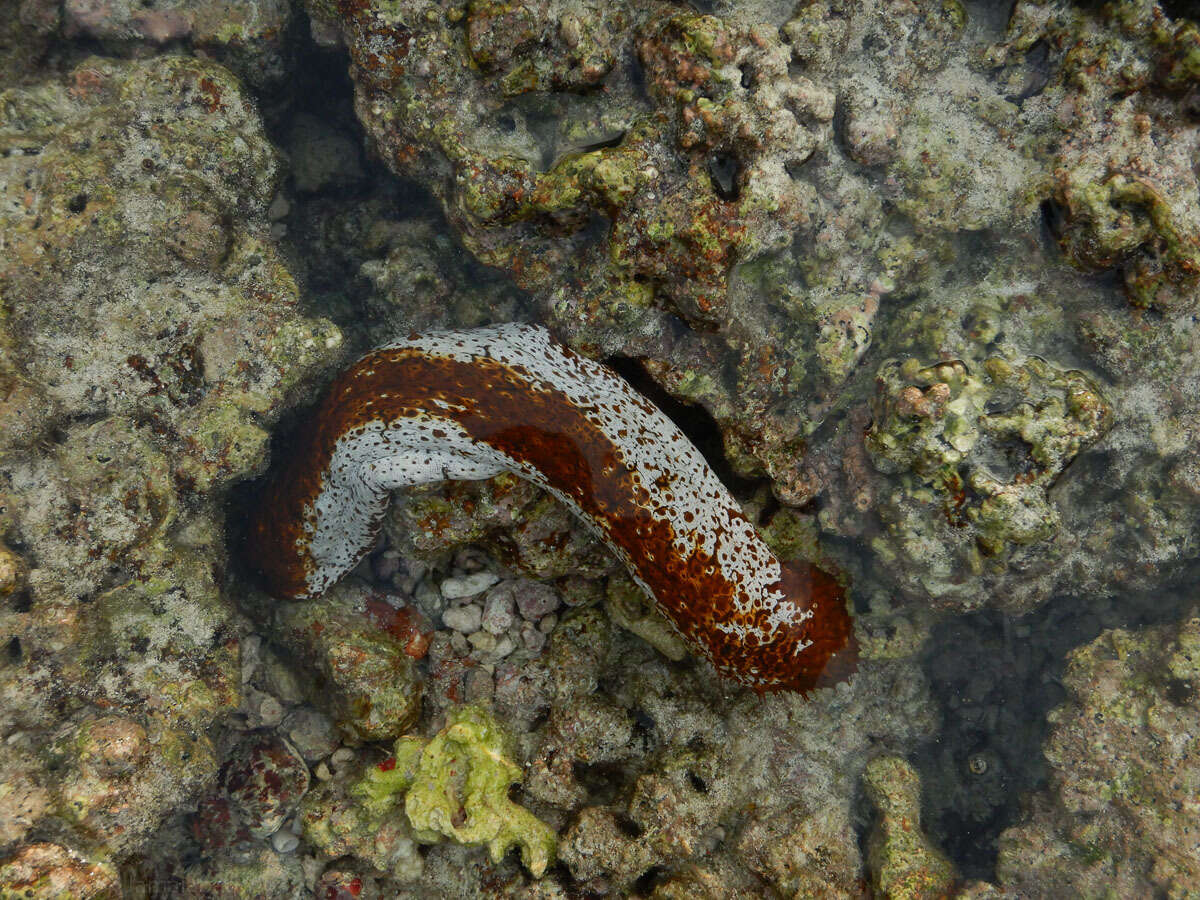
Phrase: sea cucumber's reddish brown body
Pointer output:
(471, 404)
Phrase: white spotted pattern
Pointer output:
(683, 491)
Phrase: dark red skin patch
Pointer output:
(541, 428)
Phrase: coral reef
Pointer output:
(903, 862)
(139, 377)
(980, 450)
(1119, 816)
(919, 278)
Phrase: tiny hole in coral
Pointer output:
(1053, 223)
(1180, 691)
(724, 169)
(628, 827)
(602, 781)
(648, 881)
(22, 601)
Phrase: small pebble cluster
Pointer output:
(459, 622)
(486, 617)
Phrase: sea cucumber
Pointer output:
(472, 404)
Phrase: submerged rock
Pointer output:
(905, 865)
(1119, 815)
(920, 279)
(149, 334)
(362, 673)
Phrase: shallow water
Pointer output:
(919, 283)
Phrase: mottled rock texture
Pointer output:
(921, 278)
(149, 334)
(1120, 814)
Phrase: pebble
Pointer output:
(387, 564)
(504, 646)
(480, 686)
(428, 597)
(279, 208)
(578, 591)
(458, 643)
(464, 619)
(342, 757)
(483, 641)
(311, 732)
(251, 644)
(284, 841)
(270, 711)
(546, 625)
(498, 610)
(281, 680)
(470, 559)
(533, 639)
(535, 599)
(252, 704)
(460, 586)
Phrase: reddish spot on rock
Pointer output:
(405, 623)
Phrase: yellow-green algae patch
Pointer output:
(456, 786)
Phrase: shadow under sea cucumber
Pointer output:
(471, 404)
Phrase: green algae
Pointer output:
(456, 786)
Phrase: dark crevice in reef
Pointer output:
(995, 678)
(649, 880)
(724, 171)
(1181, 9)
(1040, 68)
(336, 189)
(694, 421)
(318, 82)
(1053, 224)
